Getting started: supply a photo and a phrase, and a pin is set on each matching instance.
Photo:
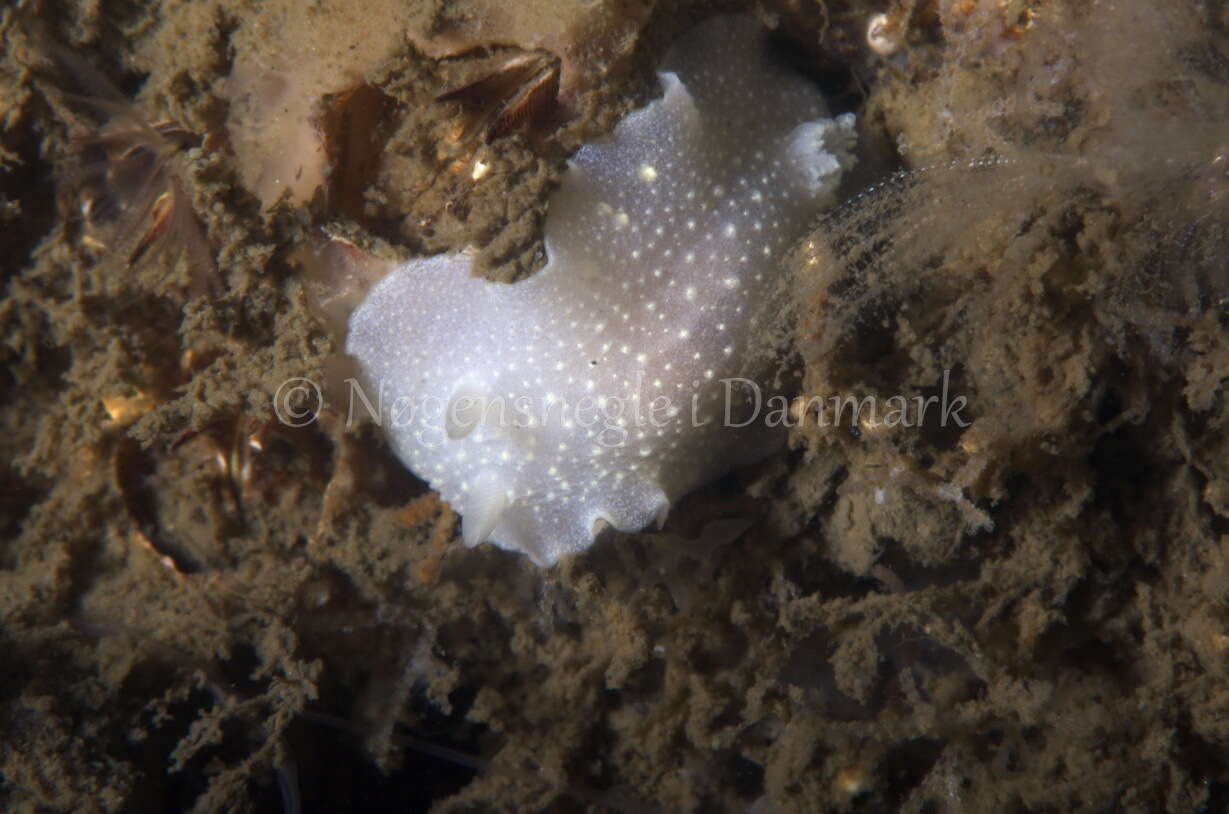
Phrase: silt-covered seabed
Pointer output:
(203, 609)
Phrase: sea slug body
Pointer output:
(598, 389)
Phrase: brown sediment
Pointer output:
(1026, 613)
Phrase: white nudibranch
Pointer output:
(601, 388)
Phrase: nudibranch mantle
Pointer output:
(602, 387)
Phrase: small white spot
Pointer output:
(690, 292)
(648, 173)
(879, 35)
(730, 282)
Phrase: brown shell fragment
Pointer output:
(517, 93)
(355, 124)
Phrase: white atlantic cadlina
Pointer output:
(593, 390)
